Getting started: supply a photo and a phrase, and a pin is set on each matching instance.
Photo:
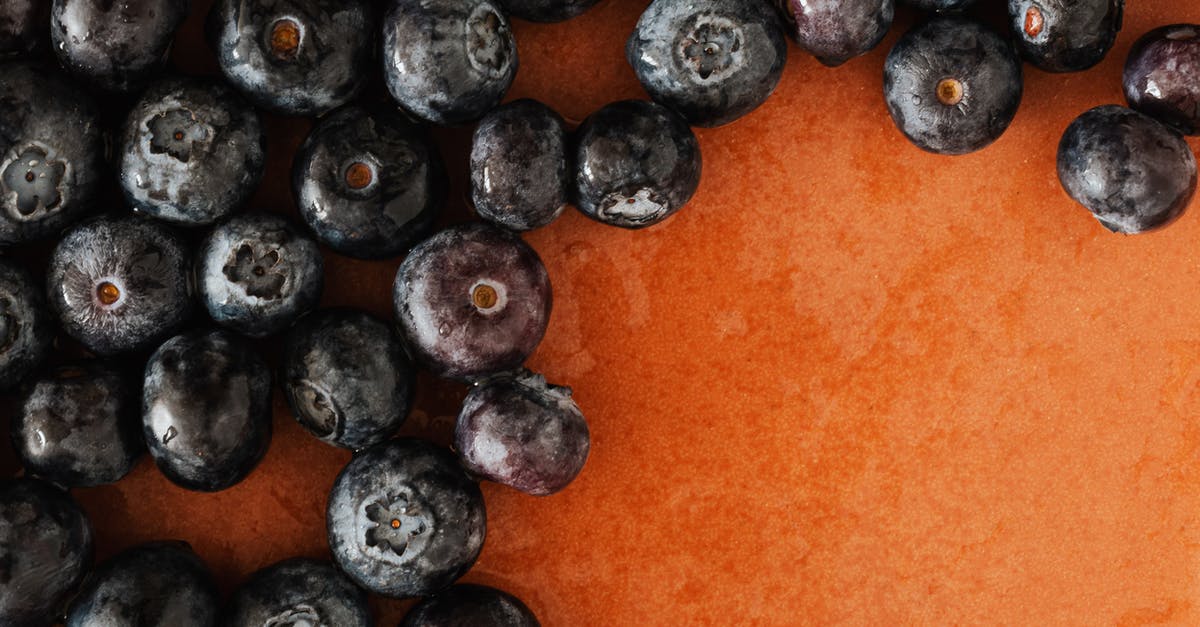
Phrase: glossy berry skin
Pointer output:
(192, 151)
(159, 583)
(295, 57)
(471, 301)
(1162, 76)
(447, 61)
(298, 591)
(120, 284)
(1065, 35)
(519, 166)
(835, 31)
(23, 26)
(636, 164)
(1133, 173)
(940, 6)
(347, 378)
(404, 519)
(45, 547)
(79, 427)
(51, 153)
(206, 409)
(257, 273)
(26, 329)
(546, 11)
(470, 604)
(115, 46)
(369, 183)
(952, 86)
(521, 432)
(712, 61)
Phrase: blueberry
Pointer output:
(519, 173)
(153, 584)
(404, 519)
(257, 273)
(472, 300)
(26, 330)
(120, 284)
(79, 426)
(206, 409)
(369, 183)
(1133, 173)
(713, 61)
(347, 377)
(835, 32)
(296, 57)
(1162, 76)
(448, 61)
(192, 152)
(470, 604)
(636, 163)
(952, 86)
(45, 549)
(298, 592)
(116, 46)
(51, 153)
(522, 433)
(24, 26)
(940, 6)
(1065, 35)
(547, 10)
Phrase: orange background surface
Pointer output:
(850, 383)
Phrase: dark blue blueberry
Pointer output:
(404, 520)
(24, 26)
(347, 377)
(952, 85)
(470, 604)
(297, 57)
(79, 426)
(519, 166)
(636, 164)
(51, 153)
(159, 584)
(1133, 173)
(206, 409)
(120, 284)
(472, 300)
(369, 183)
(713, 61)
(45, 549)
(521, 432)
(26, 329)
(546, 10)
(116, 46)
(835, 32)
(448, 61)
(257, 273)
(1162, 76)
(940, 6)
(299, 592)
(1065, 35)
(192, 152)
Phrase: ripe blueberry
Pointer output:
(1065, 35)
(26, 330)
(116, 46)
(835, 32)
(470, 604)
(298, 592)
(519, 172)
(1162, 76)
(158, 583)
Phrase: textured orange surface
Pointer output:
(850, 383)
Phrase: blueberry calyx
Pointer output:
(35, 175)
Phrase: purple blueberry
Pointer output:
(472, 605)
(547, 10)
(26, 330)
(835, 31)
(116, 46)
(298, 592)
(519, 171)
(24, 26)
(154, 584)
(1065, 35)
(1162, 76)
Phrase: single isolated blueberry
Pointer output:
(24, 27)
(45, 549)
(369, 182)
(158, 583)
(940, 6)
(51, 153)
(835, 31)
(116, 46)
(26, 329)
(347, 378)
(519, 166)
(1065, 35)
(295, 57)
(636, 164)
(120, 284)
(546, 10)
(713, 61)
(192, 151)
(404, 520)
(1132, 172)
(471, 301)
(206, 409)
(952, 86)
(448, 61)
(79, 426)
(470, 604)
(298, 592)
(521, 432)
(1162, 76)
(257, 274)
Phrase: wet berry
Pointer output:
(470, 604)
(116, 46)
(1162, 76)
(1065, 35)
(26, 328)
(159, 584)
(519, 166)
(835, 32)
(299, 592)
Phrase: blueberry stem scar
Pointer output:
(1034, 22)
(285, 39)
(358, 175)
(107, 293)
(949, 91)
(484, 296)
